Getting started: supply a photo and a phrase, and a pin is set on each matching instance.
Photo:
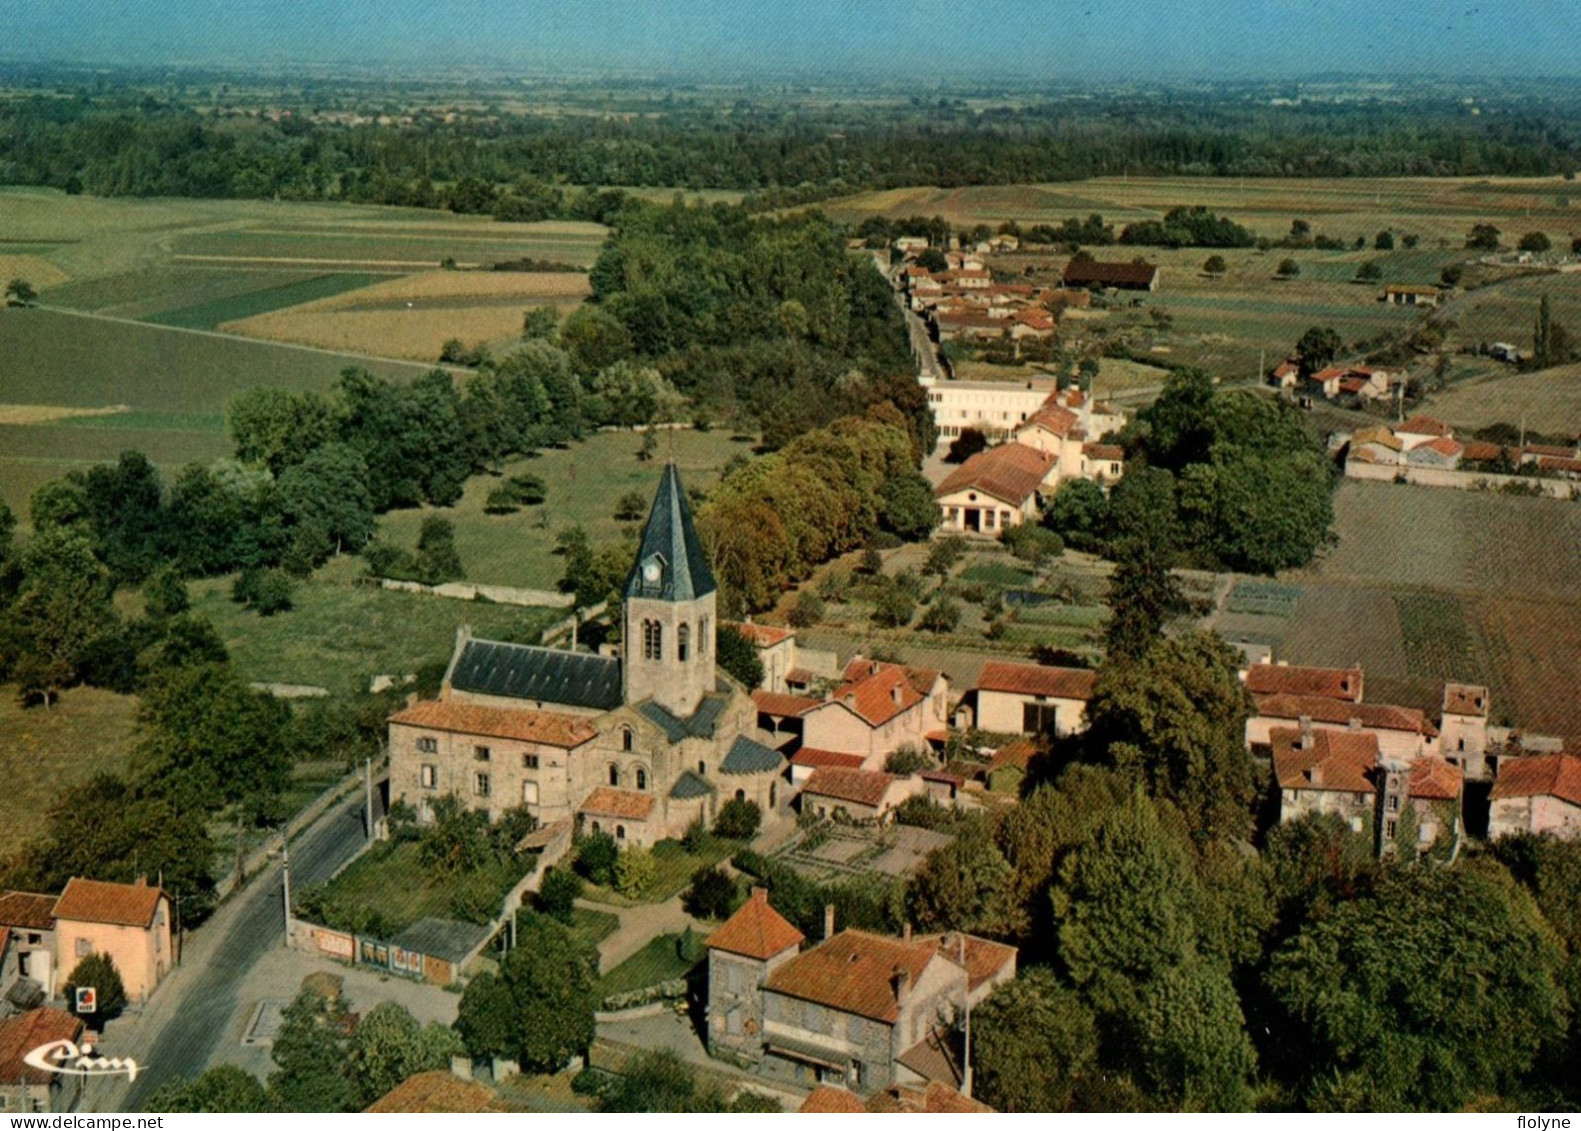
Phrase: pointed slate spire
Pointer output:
(671, 565)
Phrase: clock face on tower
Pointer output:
(650, 573)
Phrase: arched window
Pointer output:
(596, 829)
(642, 778)
(625, 738)
(620, 832)
(741, 795)
(683, 642)
(652, 640)
(614, 774)
(702, 637)
(772, 793)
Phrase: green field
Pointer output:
(339, 635)
(659, 961)
(212, 312)
(584, 482)
(43, 752)
(389, 879)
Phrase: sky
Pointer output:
(930, 39)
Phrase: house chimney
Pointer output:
(900, 981)
(905, 932)
(760, 895)
(1354, 723)
(828, 920)
(1306, 732)
(894, 693)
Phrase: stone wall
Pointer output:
(1460, 480)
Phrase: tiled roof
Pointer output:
(807, 756)
(1555, 450)
(879, 697)
(829, 1100)
(1334, 759)
(775, 703)
(852, 973)
(1465, 699)
(1444, 446)
(702, 723)
(1422, 426)
(1539, 775)
(607, 801)
(22, 1034)
(861, 787)
(1035, 679)
(1103, 451)
(762, 635)
(933, 1059)
(437, 1092)
(756, 930)
(27, 911)
(1009, 472)
(1082, 272)
(933, 1098)
(1052, 418)
(1287, 679)
(746, 756)
(1336, 712)
(689, 786)
(981, 958)
(860, 668)
(544, 675)
(95, 901)
(547, 728)
(1559, 463)
(1018, 753)
(669, 540)
(1434, 779)
(1479, 451)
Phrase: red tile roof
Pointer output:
(762, 635)
(1052, 418)
(980, 958)
(776, 703)
(94, 901)
(756, 930)
(1434, 779)
(934, 1098)
(829, 1100)
(1422, 426)
(1009, 472)
(437, 1091)
(807, 756)
(1465, 699)
(1558, 463)
(852, 972)
(1035, 679)
(1334, 760)
(1018, 753)
(879, 697)
(1082, 272)
(860, 787)
(1556, 450)
(607, 801)
(1284, 679)
(1480, 450)
(22, 1034)
(1103, 451)
(1539, 775)
(27, 911)
(1444, 446)
(1335, 712)
(547, 728)
(860, 668)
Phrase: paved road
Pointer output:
(186, 1019)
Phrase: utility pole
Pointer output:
(285, 858)
(368, 781)
(966, 1055)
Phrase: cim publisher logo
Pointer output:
(65, 1058)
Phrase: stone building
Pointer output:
(650, 739)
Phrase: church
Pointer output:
(636, 745)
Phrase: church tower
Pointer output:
(669, 616)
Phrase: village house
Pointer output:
(995, 489)
(641, 743)
(1138, 276)
(1536, 794)
(1029, 699)
(877, 709)
(1364, 383)
(932, 1098)
(857, 794)
(1343, 772)
(25, 1089)
(1285, 695)
(1442, 453)
(27, 950)
(994, 408)
(776, 651)
(1421, 430)
(1066, 426)
(859, 1010)
(1400, 294)
(127, 923)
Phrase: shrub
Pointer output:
(1535, 241)
(559, 892)
(872, 561)
(630, 507)
(695, 838)
(907, 759)
(1035, 544)
(807, 611)
(266, 592)
(595, 858)
(1288, 269)
(894, 608)
(942, 615)
(944, 553)
(99, 972)
(635, 871)
(884, 540)
(712, 894)
(966, 445)
(738, 819)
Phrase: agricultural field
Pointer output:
(1427, 585)
(413, 317)
(44, 751)
(584, 482)
(1548, 401)
(339, 634)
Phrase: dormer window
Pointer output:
(653, 571)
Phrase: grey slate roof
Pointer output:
(547, 675)
(670, 537)
(688, 786)
(749, 757)
(700, 725)
(442, 938)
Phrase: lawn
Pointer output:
(211, 312)
(389, 879)
(584, 482)
(659, 961)
(43, 752)
(339, 634)
(1002, 574)
(593, 927)
(674, 869)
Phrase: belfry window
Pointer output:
(683, 642)
(652, 640)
